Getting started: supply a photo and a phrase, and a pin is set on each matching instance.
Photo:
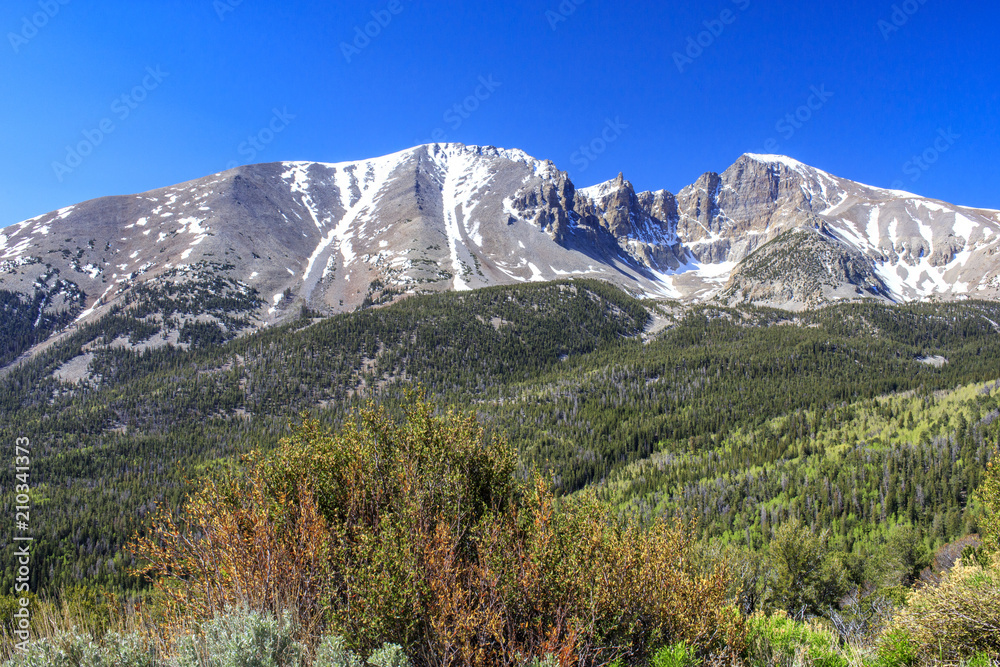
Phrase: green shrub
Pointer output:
(989, 495)
(73, 649)
(778, 640)
(548, 661)
(677, 655)
(957, 618)
(333, 652)
(65, 650)
(240, 638)
(390, 655)
(421, 532)
(981, 660)
(897, 649)
(807, 577)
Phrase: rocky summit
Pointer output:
(254, 245)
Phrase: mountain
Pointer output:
(235, 251)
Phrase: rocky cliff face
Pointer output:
(333, 237)
(803, 267)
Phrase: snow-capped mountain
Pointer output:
(333, 237)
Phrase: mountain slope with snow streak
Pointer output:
(333, 237)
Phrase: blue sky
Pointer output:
(120, 97)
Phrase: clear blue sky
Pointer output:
(225, 66)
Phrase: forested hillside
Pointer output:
(857, 418)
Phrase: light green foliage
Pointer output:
(390, 655)
(957, 618)
(677, 655)
(73, 649)
(863, 470)
(989, 496)
(725, 414)
(240, 638)
(897, 649)
(333, 652)
(777, 641)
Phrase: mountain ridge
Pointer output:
(332, 237)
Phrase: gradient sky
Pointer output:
(662, 91)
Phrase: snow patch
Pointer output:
(873, 229)
(843, 198)
(964, 226)
(794, 165)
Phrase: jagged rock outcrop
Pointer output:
(334, 237)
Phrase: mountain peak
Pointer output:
(606, 188)
(450, 216)
(791, 163)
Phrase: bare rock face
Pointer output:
(273, 238)
(802, 268)
(643, 225)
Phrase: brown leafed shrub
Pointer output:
(239, 545)
(418, 532)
